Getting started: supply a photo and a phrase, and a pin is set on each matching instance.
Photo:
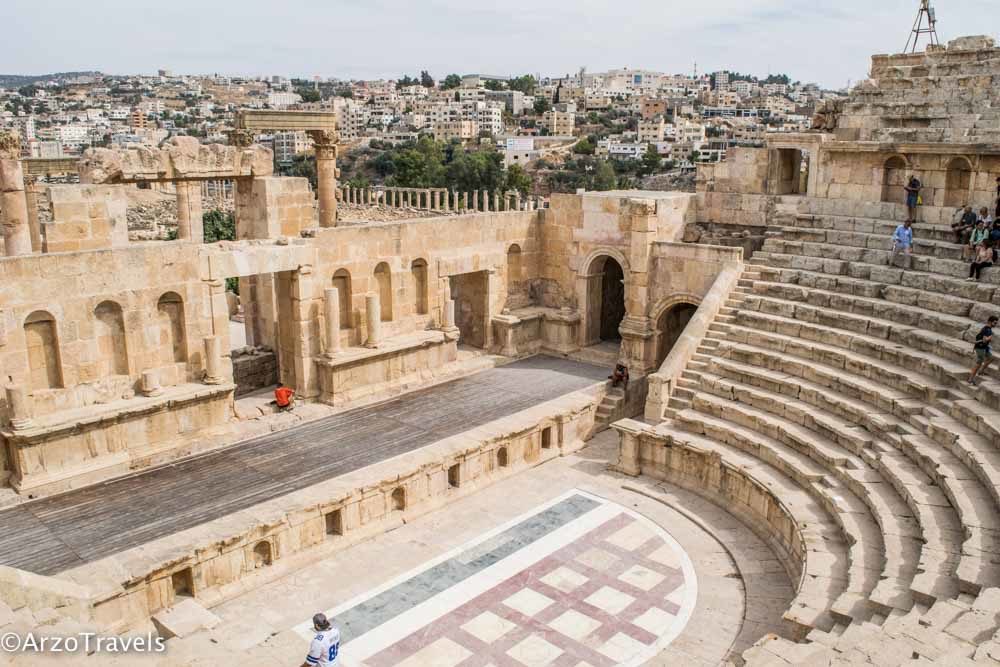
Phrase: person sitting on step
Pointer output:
(620, 375)
(964, 224)
(984, 216)
(982, 259)
(980, 233)
(284, 398)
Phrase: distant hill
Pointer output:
(18, 80)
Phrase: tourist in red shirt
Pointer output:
(283, 397)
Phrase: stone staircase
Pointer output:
(839, 383)
(611, 408)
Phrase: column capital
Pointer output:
(325, 143)
(241, 138)
(10, 145)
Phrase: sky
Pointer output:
(813, 41)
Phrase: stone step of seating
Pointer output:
(825, 577)
(891, 357)
(883, 227)
(877, 227)
(944, 357)
(980, 454)
(866, 550)
(836, 259)
(909, 287)
(940, 524)
(962, 327)
(921, 246)
(954, 632)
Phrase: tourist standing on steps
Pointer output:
(982, 259)
(902, 242)
(325, 648)
(983, 349)
(912, 188)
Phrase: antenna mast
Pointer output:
(924, 15)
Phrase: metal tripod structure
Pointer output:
(924, 14)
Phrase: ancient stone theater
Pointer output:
(797, 470)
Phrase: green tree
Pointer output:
(309, 94)
(451, 81)
(518, 179)
(526, 84)
(426, 80)
(219, 226)
(406, 82)
(651, 161)
(303, 166)
(603, 177)
(419, 166)
(584, 147)
(476, 170)
(494, 84)
(542, 105)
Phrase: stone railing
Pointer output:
(663, 381)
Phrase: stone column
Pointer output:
(449, 314)
(465, 201)
(486, 201)
(373, 313)
(32, 190)
(628, 460)
(151, 383)
(435, 200)
(13, 203)
(19, 405)
(325, 144)
(496, 201)
(447, 201)
(213, 360)
(190, 225)
(517, 200)
(331, 311)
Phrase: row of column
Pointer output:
(439, 199)
(13, 199)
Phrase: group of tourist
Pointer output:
(979, 236)
(977, 233)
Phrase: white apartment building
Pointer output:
(490, 118)
(743, 88)
(463, 130)
(282, 100)
(71, 135)
(352, 117)
(25, 126)
(621, 150)
(119, 113)
(150, 107)
(721, 80)
(287, 145)
(687, 131)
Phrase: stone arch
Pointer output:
(42, 343)
(109, 334)
(173, 330)
(263, 555)
(502, 458)
(957, 182)
(517, 293)
(672, 316)
(604, 297)
(398, 499)
(418, 271)
(342, 281)
(383, 279)
(894, 172)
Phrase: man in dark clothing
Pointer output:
(966, 222)
(997, 213)
(620, 375)
(983, 349)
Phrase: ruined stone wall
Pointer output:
(941, 95)
(156, 292)
(273, 206)
(83, 218)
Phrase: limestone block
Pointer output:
(184, 619)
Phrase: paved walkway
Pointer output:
(54, 534)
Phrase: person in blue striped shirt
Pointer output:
(902, 242)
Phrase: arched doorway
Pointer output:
(605, 299)
(670, 326)
(893, 180)
(958, 182)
